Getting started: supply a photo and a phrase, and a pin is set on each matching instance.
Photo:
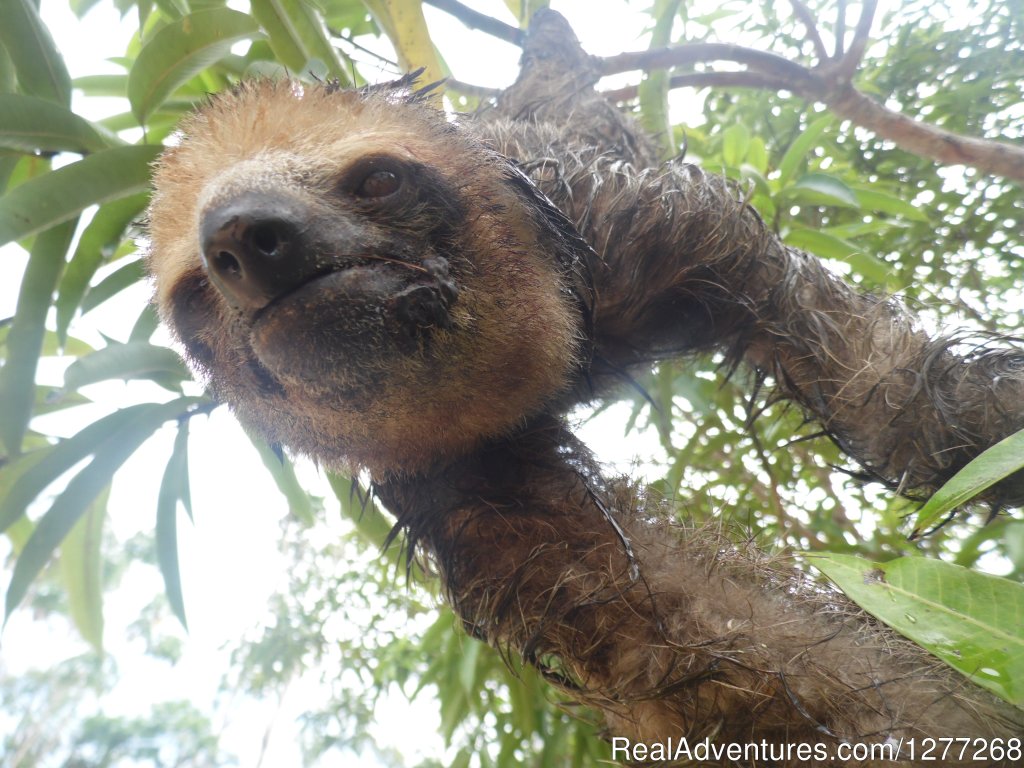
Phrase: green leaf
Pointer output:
(820, 189)
(283, 37)
(55, 460)
(832, 247)
(10, 473)
(173, 488)
(281, 469)
(653, 90)
(750, 173)
(25, 338)
(970, 620)
(1001, 460)
(146, 324)
(30, 124)
(19, 533)
(297, 35)
(60, 195)
(405, 26)
(52, 346)
(134, 360)
(370, 522)
(735, 144)
(181, 50)
(114, 86)
(757, 155)
(40, 68)
(110, 449)
(801, 146)
(468, 665)
(873, 200)
(96, 245)
(50, 400)
(523, 10)
(81, 571)
(121, 278)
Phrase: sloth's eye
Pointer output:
(379, 183)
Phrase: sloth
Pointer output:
(386, 288)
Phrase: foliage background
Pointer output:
(341, 622)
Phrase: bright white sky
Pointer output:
(230, 563)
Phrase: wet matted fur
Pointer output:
(440, 293)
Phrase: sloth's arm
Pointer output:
(670, 631)
(684, 265)
(687, 266)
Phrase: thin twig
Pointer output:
(744, 79)
(852, 58)
(807, 18)
(840, 30)
(468, 89)
(476, 20)
(363, 49)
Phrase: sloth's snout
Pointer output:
(254, 250)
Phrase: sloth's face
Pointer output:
(356, 277)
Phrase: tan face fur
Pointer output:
(351, 275)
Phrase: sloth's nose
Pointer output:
(253, 249)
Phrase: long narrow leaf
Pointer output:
(281, 470)
(988, 468)
(832, 247)
(121, 278)
(801, 146)
(31, 124)
(25, 339)
(83, 488)
(58, 459)
(81, 570)
(283, 37)
(297, 35)
(97, 243)
(873, 200)
(371, 524)
(404, 24)
(653, 92)
(181, 50)
(820, 189)
(11, 472)
(60, 195)
(40, 68)
(173, 488)
(134, 360)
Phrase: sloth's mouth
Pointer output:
(417, 294)
(358, 314)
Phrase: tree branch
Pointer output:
(696, 53)
(476, 20)
(829, 84)
(995, 157)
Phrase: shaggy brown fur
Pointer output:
(369, 283)
(371, 362)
